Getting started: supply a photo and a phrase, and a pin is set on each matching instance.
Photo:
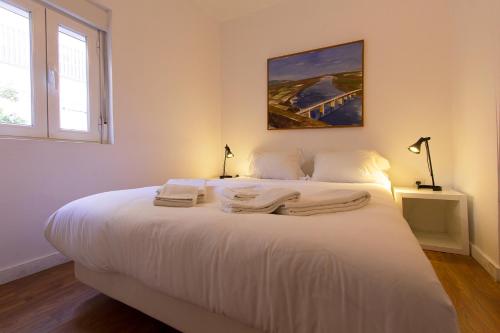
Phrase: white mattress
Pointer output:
(358, 271)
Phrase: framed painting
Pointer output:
(320, 88)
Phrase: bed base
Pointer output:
(181, 315)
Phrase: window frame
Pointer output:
(44, 24)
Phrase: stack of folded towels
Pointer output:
(330, 201)
(289, 202)
(252, 201)
(181, 193)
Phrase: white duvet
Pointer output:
(357, 271)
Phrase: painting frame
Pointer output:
(361, 122)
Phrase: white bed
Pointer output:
(202, 270)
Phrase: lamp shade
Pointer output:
(415, 148)
(228, 152)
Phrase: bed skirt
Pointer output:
(181, 315)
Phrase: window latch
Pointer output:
(53, 79)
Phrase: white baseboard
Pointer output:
(30, 267)
(485, 261)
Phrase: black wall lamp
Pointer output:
(415, 148)
(227, 154)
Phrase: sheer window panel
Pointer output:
(23, 99)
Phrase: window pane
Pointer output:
(15, 66)
(73, 83)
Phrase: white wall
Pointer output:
(407, 73)
(166, 81)
(476, 90)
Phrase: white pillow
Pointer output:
(276, 165)
(360, 166)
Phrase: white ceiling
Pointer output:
(224, 10)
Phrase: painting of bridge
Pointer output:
(316, 89)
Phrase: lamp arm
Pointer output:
(224, 168)
(429, 161)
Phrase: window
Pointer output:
(73, 79)
(23, 96)
(16, 67)
(51, 74)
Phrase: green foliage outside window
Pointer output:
(10, 118)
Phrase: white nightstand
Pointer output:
(438, 219)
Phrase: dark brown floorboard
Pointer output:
(54, 301)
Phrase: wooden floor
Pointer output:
(54, 301)
(474, 293)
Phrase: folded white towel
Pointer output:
(201, 194)
(330, 201)
(240, 193)
(266, 202)
(173, 203)
(200, 184)
(177, 196)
